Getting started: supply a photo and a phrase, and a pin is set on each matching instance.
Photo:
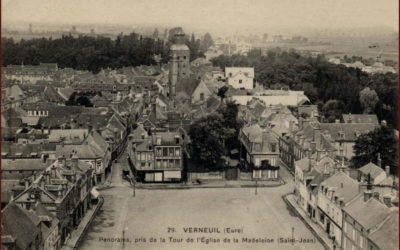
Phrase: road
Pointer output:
(166, 213)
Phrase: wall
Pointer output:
(246, 82)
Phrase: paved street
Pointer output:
(152, 212)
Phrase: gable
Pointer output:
(201, 88)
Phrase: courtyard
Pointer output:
(200, 218)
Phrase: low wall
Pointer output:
(217, 175)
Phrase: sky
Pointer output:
(214, 15)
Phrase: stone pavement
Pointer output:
(319, 233)
(77, 234)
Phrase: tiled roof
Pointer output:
(253, 132)
(6, 189)
(23, 164)
(25, 150)
(360, 118)
(351, 130)
(167, 138)
(368, 213)
(372, 169)
(17, 223)
(187, 85)
(387, 236)
(82, 151)
(236, 70)
(67, 135)
(345, 187)
(65, 93)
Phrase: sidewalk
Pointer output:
(80, 231)
(319, 233)
(212, 184)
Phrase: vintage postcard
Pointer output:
(187, 124)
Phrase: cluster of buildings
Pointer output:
(55, 151)
(356, 211)
(375, 68)
(47, 206)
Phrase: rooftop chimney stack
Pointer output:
(367, 195)
(379, 161)
(387, 170)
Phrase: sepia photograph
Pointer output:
(199, 124)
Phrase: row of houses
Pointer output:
(46, 206)
(334, 139)
(354, 210)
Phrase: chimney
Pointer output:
(337, 121)
(387, 170)
(367, 195)
(379, 161)
(53, 172)
(309, 163)
(47, 175)
(383, 123)
(387, 200)
(26, 184)
(42, 182)
(74, 160)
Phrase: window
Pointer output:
(240, 81)
(184, 57)
(322, 218)
(177, 152)
(201, 96)
(273, 147)
(230, 74)
(165, 151)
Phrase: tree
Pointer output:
(206, 42)
(231, 124)
(84, 101)
(380, 141)
(212, 135)
(332, 110)
(207, 136)
(222, 92)
(368, 100)
(155, 34)
(172, 32)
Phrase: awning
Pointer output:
(94, 193)
(172, 174)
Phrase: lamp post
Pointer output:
(292, 235)
(134, 188)
(256, 188)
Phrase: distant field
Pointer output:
(388, 51)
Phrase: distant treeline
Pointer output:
(334, 88)
(90, 53)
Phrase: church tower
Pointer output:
(179, 63)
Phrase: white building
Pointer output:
(240, 77)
